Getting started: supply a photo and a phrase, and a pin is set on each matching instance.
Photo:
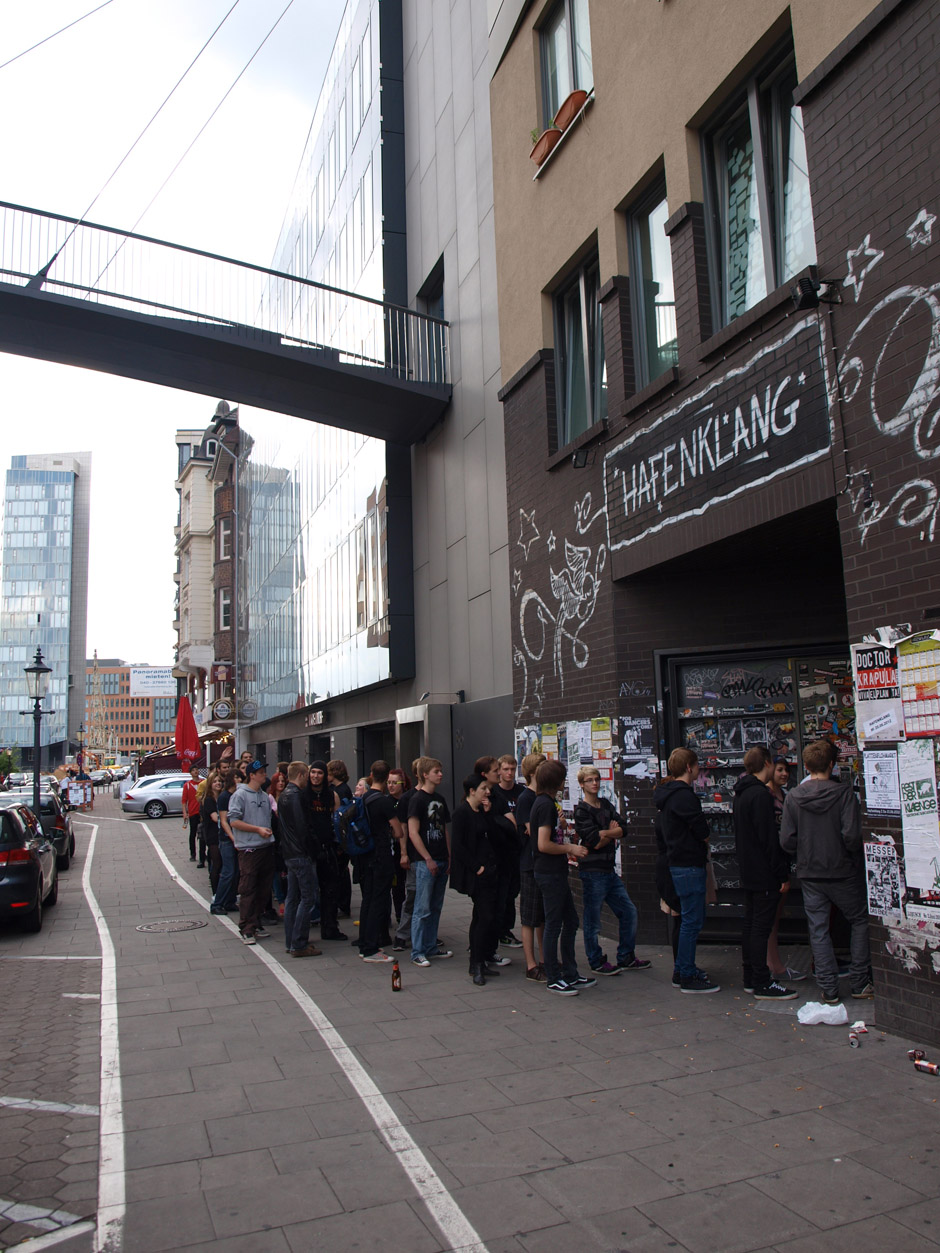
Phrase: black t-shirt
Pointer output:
(380, 807)
(432, 813)
(544, 814)
(402, 807)
(502, 800)
(523, 810)
(210, 829)
(224, 798)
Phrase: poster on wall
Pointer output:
(879, 710)
(550, 740)
(882, 789)
(919, 827)
(919, 680)
(636, 739)
(883, 879)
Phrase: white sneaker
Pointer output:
(248, 939)
(377, 957)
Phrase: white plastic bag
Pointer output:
(814, 1012)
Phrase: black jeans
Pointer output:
(508, 890)
(214, 855)
(327, 873)
(194, 821)
(343, 889)
(561, 920)
(299, 902)
(760, 910)
(375, 880)
(486, 923)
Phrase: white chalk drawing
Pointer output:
(634, 687)
(550, 634)
(858, 273)
(528, 531)
(920, 231)
(912, 507)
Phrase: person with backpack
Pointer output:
(376, 868)
(683, 827)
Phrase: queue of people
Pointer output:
(275, 850)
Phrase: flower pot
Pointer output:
(570, 109)
(544, 144)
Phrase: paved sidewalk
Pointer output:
(631, 1118)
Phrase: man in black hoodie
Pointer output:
(300, 849)
(683, 829)
(764, 870)
(822, 826)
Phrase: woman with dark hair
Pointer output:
(398, 785)
(321, 801)
(338, 777)
(551, 851)
(778, 788)
(279, 883)
(474, 871)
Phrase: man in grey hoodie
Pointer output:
(249, 815)
(822, 827)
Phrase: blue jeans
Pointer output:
(228, 879)
(561, 920)
(429, 901)
(300, 900)
(689, 882)
(598, 886)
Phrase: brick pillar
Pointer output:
(686, 231)
(618, 341)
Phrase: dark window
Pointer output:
(581, 371)
(565, 39)
(758, 189)
(653, 298)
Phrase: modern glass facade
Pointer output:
(35, 596)
(320, 614)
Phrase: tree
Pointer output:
(9, 760)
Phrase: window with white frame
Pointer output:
(758, 188)
(225, 539)
(565, 41)
(580, 366)
(652, 293)
(225, 609)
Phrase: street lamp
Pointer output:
(80, 736)
(37, 686)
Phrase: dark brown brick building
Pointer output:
(720, 336)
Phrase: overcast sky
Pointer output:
(72, 108)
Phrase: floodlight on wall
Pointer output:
(810, 293)
(582, 457)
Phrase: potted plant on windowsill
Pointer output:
(570, 109)
(543, 143)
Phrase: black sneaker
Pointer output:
(830, 998)
(699, 983)
(582, 981)
(399, 946)
(865, 993)
(635, 963)
(774, 992)
(676, 979)
(509, 941)
(560, 988)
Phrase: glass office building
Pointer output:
(322, 612)
(43, 595)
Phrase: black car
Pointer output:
(29, 878)
(55, 819)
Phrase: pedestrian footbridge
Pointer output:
(88, 295)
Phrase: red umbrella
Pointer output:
(186, 739)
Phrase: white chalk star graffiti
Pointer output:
(528, 531)
(551, 541)
(858, 273)
(920, 231)
(516, 582)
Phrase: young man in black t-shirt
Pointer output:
(376, 869)
(531, 909)
(550, 853)
(429, 852)
(500, 774)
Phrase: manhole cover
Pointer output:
(173, 924)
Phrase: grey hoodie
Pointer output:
(254, 808)
(822, 826)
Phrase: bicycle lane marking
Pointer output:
(109, 1225)
(459, 1234)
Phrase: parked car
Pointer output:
(17, 778)
(55, 821)
(155, 797)
(29, 879)
(100, 778)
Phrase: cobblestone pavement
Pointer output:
(631, 1118)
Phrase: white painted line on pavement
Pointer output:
(109, 1230)
(83, 996)
(50, 1107)
(459, 1235)
(71, 957)
(37, 1243)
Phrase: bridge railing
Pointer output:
(143, 275)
